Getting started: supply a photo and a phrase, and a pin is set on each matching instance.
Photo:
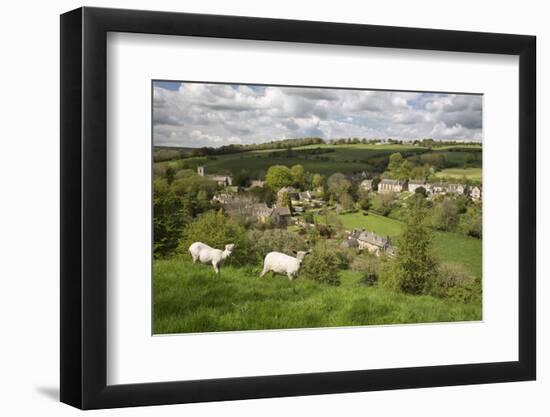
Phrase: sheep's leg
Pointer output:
(194, 257)
(290, 276)
(216, 268)
(264, 271)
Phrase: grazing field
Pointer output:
(190, 298)
(458, 173)
(447, 246)
(323, 159)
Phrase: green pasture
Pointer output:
(459, 173)
(190, 298)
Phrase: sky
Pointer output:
(201, 114)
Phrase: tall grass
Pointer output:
(189, 297)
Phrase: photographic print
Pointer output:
(292, 207)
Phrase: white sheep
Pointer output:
(205, 254)
(283, 264)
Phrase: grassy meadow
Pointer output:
(191, 298)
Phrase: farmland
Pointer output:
(459, 173)
(324, 159)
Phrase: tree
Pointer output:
(317, 181)
(396, 159)
(279, 176)
(242, 179)
(170, 174)
(169, 218)
(413, 269)
(383, 203)
(347, 201)
(338, 184)
(445, 215)
(298, 175)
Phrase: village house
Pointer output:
(414, 184)
(439, 188)
(373, 243)
(475, 193)
(459, 189)
(366, 185)
(281, 216)
(222, 180)
(223, 198)
(391, 186)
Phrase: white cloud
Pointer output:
(197, 114)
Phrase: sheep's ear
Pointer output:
(294, 252)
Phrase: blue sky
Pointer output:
(201, 114)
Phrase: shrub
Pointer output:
(321, 265)
(214, 229)
(445, 215)
(455, 282)
(383, 203)
(279, 240)
(367, 265)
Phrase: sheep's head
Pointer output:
(229, 248)
(300, 255)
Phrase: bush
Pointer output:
(383, 203)
(455, 282)
(321, 265)
(445, 215)
(367, 265)
(279, 240)
(214, 229)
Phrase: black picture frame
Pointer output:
(84, 207)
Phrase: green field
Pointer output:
(188, 298)
(458, 173)
(447, 246)
(333, 158)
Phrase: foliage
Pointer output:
(367, 265)
(169, 218)
(317, 180)
(298, 175)
(170, 174)
(216, 230)
(383, 203)
(338, 184)
(421, 190)
(471, 222)
(278, 176)
(412, 270)
(445, 215)
(321, 265)
(398, 167)
(242, 178)
(455, 282)
(347, 201)
(279, 240)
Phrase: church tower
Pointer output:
(200, 170)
